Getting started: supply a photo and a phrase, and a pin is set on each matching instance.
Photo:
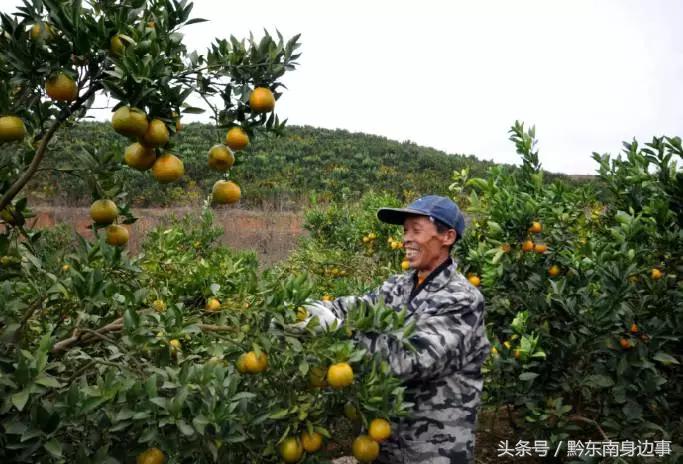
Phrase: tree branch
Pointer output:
(42, 149)
(577, 418)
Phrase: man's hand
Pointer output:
(323, 313)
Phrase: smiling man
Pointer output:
(443, 374)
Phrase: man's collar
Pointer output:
(437, 278)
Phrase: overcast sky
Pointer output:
(455, 75)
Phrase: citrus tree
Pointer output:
(584, 293)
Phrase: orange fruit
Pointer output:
(130, 122)
(365, 449)
(254, 363)
(103, 211)
(340, 375)
(66, 267)
(61, 88)
(634, 328)
(226, 192)
(540, 248)
(554, 270)
(221, 158)
(168, 168)
(212, 304)
(327, 297)
(116, 235)
(528, 245)
(625, 343)
(291, 450)
(656, 274)
(506, 247)
(474, 280)
(240, 364)
(159, 306)
(175, 344)
(237, 139)
(535, 228)
(405, 265)
(139, 157)
(380, 430)
(311, 441)
(517, 354)
(151, 456)
(116, 46)
(261, 100)
(156, 135)
(42, 31)
(12, 128)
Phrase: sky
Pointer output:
(455, 75)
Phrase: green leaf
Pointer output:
(599, 381)
(20, 399)
(665, 359)
(54, 447)
(527, 376)
(48, 381)
(185, 428)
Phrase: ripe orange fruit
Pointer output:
(130, 122)
(625, 343)
(156, 135)
(237, 139)
(261, 100)
(221, 158)
(254, 363)
(291, 450)
(226, 192)
(528, 245)
(175, 345)
(316, 377)
(159, 306)
(474, 280)
(103, 211)
(380, 430)
(168, 168)
(66, 267)
(116, 235)
(634, 328)
(151, 456)
(405, 265)
(365, 449)
(212, 304)
(517, 354)
(656, 274)
(61, 88)
(311, 441)
(540, 248)
(116, 46)
(535, 228)
(42, 31)
(506, 247)
(340, 375)
(301, 313)
(12, 128)
(554, 270)
(139, 157)
(240, 364)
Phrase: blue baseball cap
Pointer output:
(442, 209)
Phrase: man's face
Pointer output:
(425, 247)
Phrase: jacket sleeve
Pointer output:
(442, 339)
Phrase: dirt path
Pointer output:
(271, 234)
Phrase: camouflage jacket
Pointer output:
(443, 375)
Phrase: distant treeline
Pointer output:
(287, 172)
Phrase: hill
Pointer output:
(283, 173)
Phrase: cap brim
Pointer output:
(397, 215)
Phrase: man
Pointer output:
(443, 375)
